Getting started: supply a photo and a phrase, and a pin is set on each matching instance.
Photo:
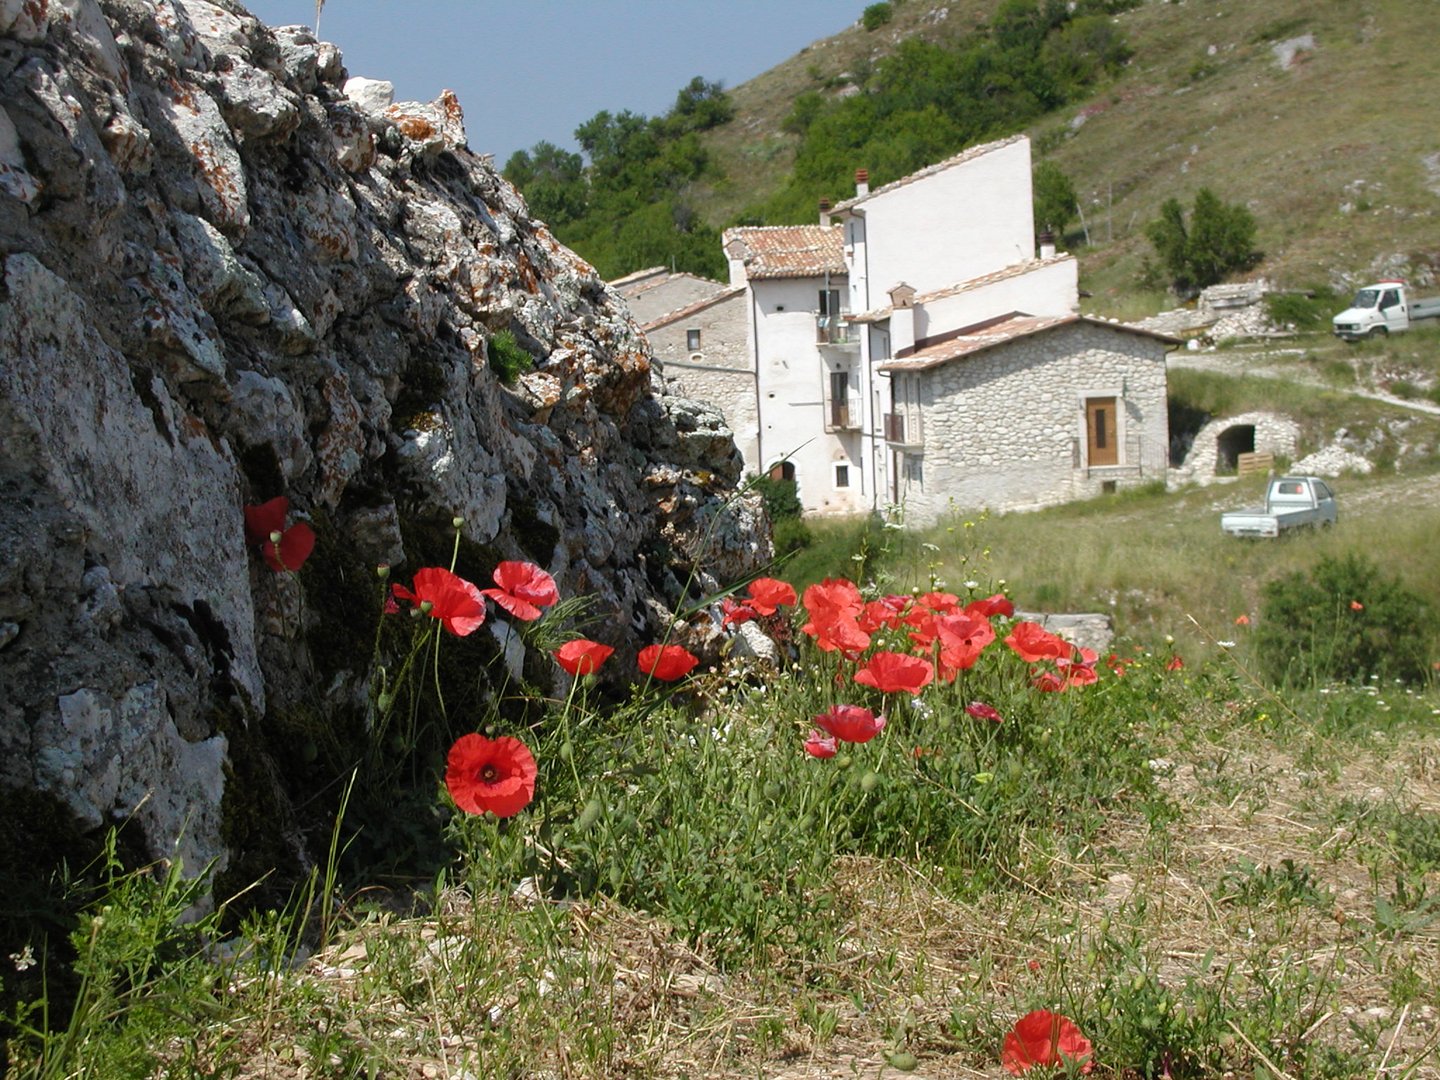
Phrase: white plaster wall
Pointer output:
(1051, 288)
(791, 385)
(1003, 429)
(969, 220)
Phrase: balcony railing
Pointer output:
(896, 430)
(835, 330)
(841, 416)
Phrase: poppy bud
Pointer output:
(457, 521)
(426, 607)
(382, 571)
(275, 536)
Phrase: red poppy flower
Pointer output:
(1033, 642)
(1117, 664)
(1047, 682)
(666, 662)
(1046, 1039)
(453, 600)
(963, 637)
(981, 711)
(1356, 605)
(296, 544)
(877, 614)
(834, 607)
(768, 594)
(267, 518)
(581, 656)
(733, 614)
(490, 775)
(1175, 663)
(895, 673)
(820, 745)
(999, 604)
(942, 603)
(1242, 620)
(266, 521)
(851, 723)
(524, 589)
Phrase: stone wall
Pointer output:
(225, 281)
(1004, 429)
(1273, 434)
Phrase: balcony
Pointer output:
(898, 433)
(836, 330)
(842, 415)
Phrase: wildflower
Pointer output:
(453, 600)
(666, 662)
(942, 603)
(999, 604)
(581, 656)
(769, 594)
(490, 775)
(1242, 620)
(851, 723)
(282, 549)
(1046, 1039)
(1174, 663)
(821, 745)
(1032, 642)
(963, 637)
(1356, 605)
(524, 589)
(981, 711)
(891, 672)
(834, 607)
(1047, 682)
(733, 614)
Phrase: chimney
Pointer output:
(1047, 244)
(824, 211)
(862, 183)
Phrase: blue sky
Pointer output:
(527, 70)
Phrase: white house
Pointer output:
(809, 385)
(913, 348)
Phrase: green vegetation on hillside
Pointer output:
(929, 100)
(629, 207)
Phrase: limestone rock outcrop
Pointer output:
(224, 280)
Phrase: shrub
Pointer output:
(782, 500)
(1218, 240)
(876, 16)
(508, 360)
(1308, 310)
(1343, 621)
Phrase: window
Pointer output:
(829, 301)
(692, 340)
(1390, 299)
(842, 476)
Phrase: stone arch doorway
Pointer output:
(1230, 444)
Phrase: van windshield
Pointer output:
(1366, 298)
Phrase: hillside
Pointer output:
(1333, 151)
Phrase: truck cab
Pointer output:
(1385, 307)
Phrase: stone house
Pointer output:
(1024, 411)
(697, 331)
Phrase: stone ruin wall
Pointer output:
(223, 281)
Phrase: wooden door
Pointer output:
(1100, 428)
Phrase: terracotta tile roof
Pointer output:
(930, 170)
(1009, 328)
(691, 309)
(881, 314)
(787, 251)
(638, 275)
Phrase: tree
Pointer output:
(1219, 240)
(1055, 198)
(553, 181)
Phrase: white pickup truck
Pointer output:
(1380, 308)
(1290, 503)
